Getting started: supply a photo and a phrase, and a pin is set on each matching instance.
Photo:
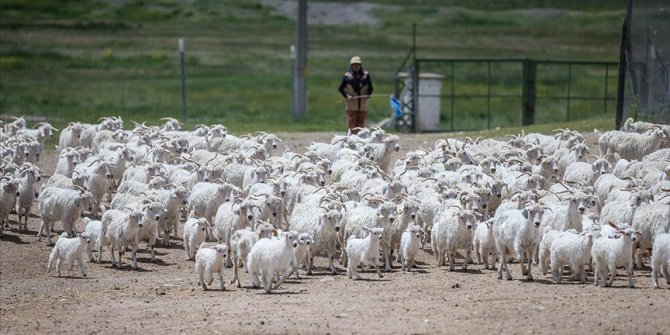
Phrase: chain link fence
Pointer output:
(644, 73)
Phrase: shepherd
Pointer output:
(356, 87)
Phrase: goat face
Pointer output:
(534, 214)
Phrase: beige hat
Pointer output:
(355, 60)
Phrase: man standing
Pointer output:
(356, 87)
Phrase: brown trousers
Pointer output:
(356, 119)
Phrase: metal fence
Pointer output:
(645, 62)
(486, 93)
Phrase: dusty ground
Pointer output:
(163, 297)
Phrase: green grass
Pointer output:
(79, 60)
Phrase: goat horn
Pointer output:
(522, 174)
(97, 160)
(213, 158)
(611, 224)
(81, 189)
(192, 161)
(567, 188)
(320, 188)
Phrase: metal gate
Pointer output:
(485, 93)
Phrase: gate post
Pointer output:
(529, 81)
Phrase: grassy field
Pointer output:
(79, 60)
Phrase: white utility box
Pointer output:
(427, 117)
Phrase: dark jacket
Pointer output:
(356, 84)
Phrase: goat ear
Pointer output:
(236, 210)
(366, 229)
(524, 212)
(77, 201)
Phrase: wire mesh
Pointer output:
(646, 52)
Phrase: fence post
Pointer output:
(569, 92)
(529, 81)
(607, 72)
(294, 82)
(488, 95)
(623, 64)
(300, 106)
(452, 93)
(415, 94)
(415, 80)
(182, 79)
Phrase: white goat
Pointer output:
(121, 229)
(517, 234)
(301, 253)
(67, 160)
(209, 260)
(586, 173)
(632, 145)
(70, 135)
(323, 225)
(364, 251)
(100, 175)
(205, 198)
(660, 259)
(242, 241)
(194, 235)
(363, 216)
(94, 230)
(173, 200)
(68, 249)
(484, 244)
(64, 205)
(9, 191)
(611, 252)
(61, 181)
(573, 250)
(230, 217)
(269, 258)
(410, 240)
(28, 175)
(649, 221)
(453, 231)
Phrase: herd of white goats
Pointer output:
(533, 198)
